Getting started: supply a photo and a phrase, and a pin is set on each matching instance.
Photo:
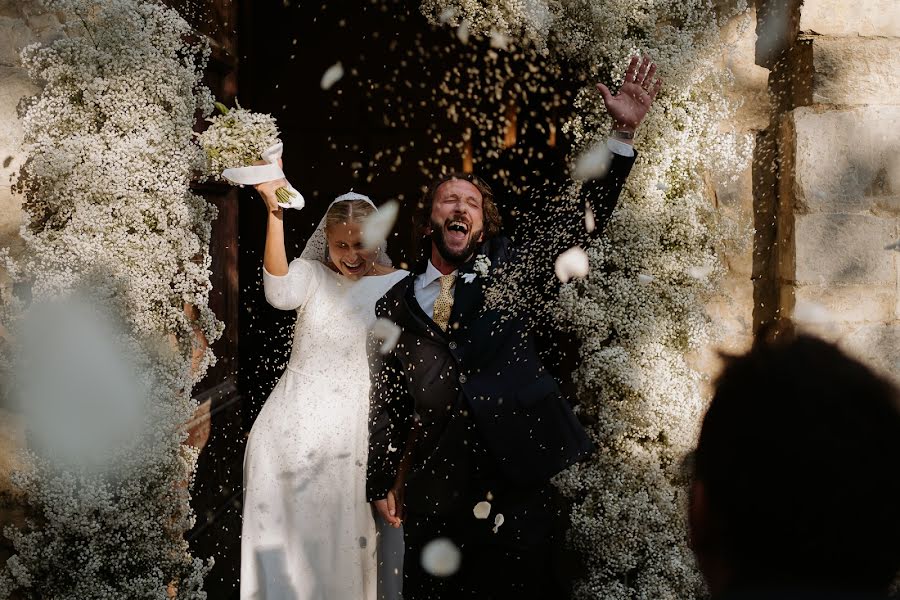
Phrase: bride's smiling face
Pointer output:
(345, 247)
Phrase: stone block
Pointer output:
(876, 345)
(855, 71)
(843, 249)
(750, 90)
(860, 17)
(850, 304)
(844, 161)
(14, 35)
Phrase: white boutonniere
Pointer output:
(482, 264)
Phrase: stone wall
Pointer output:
(834, 268)
(22, 22)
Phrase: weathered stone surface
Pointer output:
(12, 438)
(850, 304)
(844, 249)
(859, 17)
(844, 161)
(13, 86)
(15, 34)
(750, 80)
(877, 345)
(856, 71)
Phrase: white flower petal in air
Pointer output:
(332, 75)
(388, 332)
(662, 186)
(462, 32)
(699, 272)
(498, 521)
(593, 163)
(482, 510)
(447, 15)
(499, 41)
(379, 224)
(572, 263)
(590, 223)
(441, 557)
(644, 279)
(811, 312)
(469, 277)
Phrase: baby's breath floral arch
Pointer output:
(641, 309)
(108, 213)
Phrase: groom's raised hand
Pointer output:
(629, 107)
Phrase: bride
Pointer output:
(308, 532)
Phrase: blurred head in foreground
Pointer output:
(797, 473)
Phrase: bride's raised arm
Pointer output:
(287, 287)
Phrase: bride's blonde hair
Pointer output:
(348, 211)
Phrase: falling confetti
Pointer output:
(644, 279)
(334, 74)
(378, 226)
(388, 332)
(590, 223)
(462, 32)
(499, 40)
(699, 272)
(482, 510)
(498, 521)
(811, 312)
(572, 263)
(594, 163)
(441, 557)
(447, 15)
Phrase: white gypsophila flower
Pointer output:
(482, 265)
(108, 213)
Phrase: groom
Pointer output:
(464, 417)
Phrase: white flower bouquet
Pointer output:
(235, 142)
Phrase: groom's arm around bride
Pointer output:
(464, 403)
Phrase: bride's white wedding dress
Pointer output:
(308, 532)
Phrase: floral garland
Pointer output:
(641, 309)
(109, 213)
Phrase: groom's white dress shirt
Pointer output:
(427, 285)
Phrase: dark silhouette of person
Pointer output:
(796, 483)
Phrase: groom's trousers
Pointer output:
(520, 561)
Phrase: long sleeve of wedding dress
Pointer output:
(292, 291)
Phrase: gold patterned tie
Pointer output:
(444, 303)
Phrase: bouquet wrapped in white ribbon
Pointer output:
(236, 141)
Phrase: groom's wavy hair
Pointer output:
(422, 217)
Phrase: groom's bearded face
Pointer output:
(457, 220)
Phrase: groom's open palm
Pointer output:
(629, 107)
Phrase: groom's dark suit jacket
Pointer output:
(486, 405)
